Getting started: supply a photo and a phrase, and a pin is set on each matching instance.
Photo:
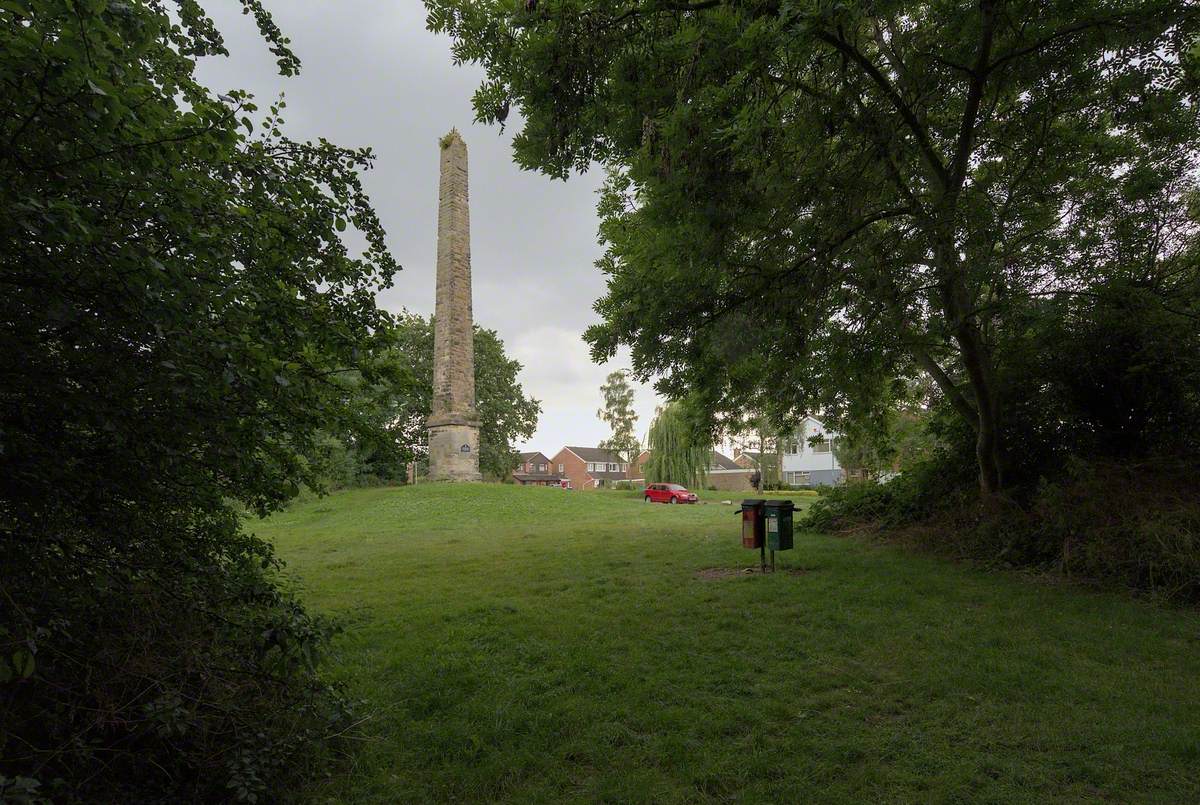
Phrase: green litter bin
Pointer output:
(778, 515)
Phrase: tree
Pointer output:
(505, 413)
(619, 414)
(679, 453)
(813, 199)
(181, 323)
(898, 438)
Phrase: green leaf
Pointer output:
(23, 662)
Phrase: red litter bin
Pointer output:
(753, 527)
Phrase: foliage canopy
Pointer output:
(180, 321)
(807, 200)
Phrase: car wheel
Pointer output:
(672, 500)
(647, 498)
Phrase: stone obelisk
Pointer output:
(453, 424)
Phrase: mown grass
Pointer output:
(536, 645)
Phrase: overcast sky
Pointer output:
(374, 76)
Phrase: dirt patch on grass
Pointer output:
(715, 573)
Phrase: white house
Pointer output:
(809, 463)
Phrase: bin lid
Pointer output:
(751, 502)
(780, 504)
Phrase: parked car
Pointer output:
(668, 493)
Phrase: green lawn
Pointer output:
(538, 645)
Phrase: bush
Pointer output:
(1138, 525)
(182, 323)
(903, 500)
(154, 656)
(1131, 525)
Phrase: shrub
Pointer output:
(1137, 525)
(182, 323)
(154, 656)
(903, 500)
(1132, 525)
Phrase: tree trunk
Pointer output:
(977, 360)
(958, 308)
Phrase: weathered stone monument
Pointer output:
(453, 424)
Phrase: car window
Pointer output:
(676, 488)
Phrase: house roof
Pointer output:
(596, 454)
(750, 456)
(534, 456)
(533, 476)
(722, 462)
(716, 461)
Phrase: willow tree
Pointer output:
(678, 454)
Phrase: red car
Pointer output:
(668, 493)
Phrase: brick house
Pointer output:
(589, 467)
(535, 469)
(637, 470)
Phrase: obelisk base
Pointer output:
(453, 448)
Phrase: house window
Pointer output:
(560, 469)
(797, 478)
(591, 467)
(823, 446)
(541, 467)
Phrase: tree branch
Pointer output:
(946, 384)
(966, 129)
(636, 11)
(932, 158)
